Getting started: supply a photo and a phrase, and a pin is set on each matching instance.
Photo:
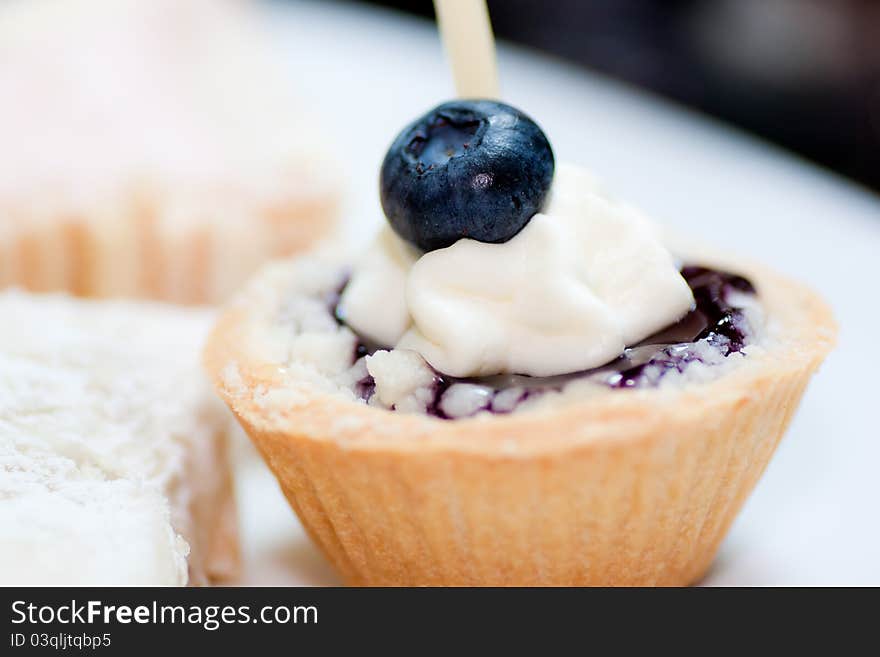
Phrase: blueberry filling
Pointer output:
(715, 323)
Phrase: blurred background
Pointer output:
(804, 74)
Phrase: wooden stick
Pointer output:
(470, 46)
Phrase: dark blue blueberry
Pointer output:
(468, 168)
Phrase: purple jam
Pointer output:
(714, 321)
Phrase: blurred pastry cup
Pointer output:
(143, 244)
(155, 149)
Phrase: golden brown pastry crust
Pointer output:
(631, 488)
(130, 250)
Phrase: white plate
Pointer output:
(813, 518)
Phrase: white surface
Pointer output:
(813, 518)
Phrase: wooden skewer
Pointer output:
(470, 46)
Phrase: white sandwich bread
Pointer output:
(113, 463)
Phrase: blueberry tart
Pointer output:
(522, 381)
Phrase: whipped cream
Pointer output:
(585, 278)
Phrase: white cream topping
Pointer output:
(585, 278)
(402, 380)
(375, 298)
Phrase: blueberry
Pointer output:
(468, 168)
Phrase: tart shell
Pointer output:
(629, 488)
(144, 247)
